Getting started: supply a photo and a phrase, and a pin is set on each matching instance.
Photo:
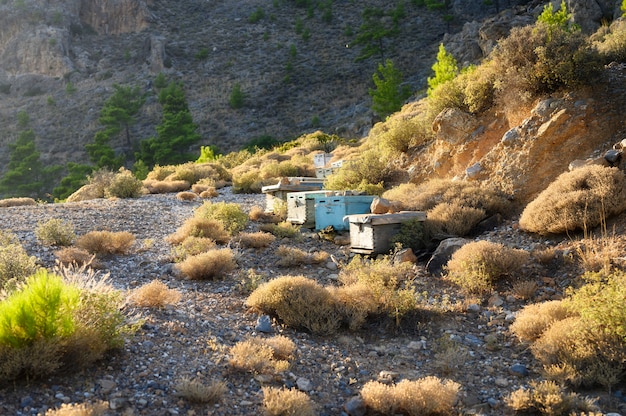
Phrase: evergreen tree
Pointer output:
(119, 111)
(76, 177)
(102, 154)
(374, 31)
(389, 94)
(176, 133)
(26, 175)
(446, 69)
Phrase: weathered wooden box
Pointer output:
(301, 207)
(280, 191)
(331, 210)
(372, 233)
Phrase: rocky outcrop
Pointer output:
(114, 17)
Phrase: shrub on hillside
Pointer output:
(106, 242)
(611, 44)
(208, 266)
(202, 228)
(293, 256)
(535, 318)
(230, 215)
(79, 256)
(99, 408)
(101, 179)
(477, 265)
(124, 185)
(258, 239)
(447, 219)
(283, 401)
(298, 302)
(198, 392)
(165, 187)
(371, 168)
(159, 173)
(576, 200)
(192, 246)
(17, 202)
(425, 396)
(55, 232)
(412, 234)
(397, 135)
(283, 229)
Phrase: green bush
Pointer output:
(371, 168)
(15, 265)
(55, 232)
(229, 214)
(42, 308)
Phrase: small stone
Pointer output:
(331, 266)
(264, 324)
(416, 345)
(387, 376)
(117, 403)
(106, 385)
(245, 403)
(304, 384)
(26, 401)
(501, 382)
(495, 300)
(519, 370)
(355, 406)
(473, 308)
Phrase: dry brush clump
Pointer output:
(293, 256)
(477, 265)
(15, 264)
(165, 187)
(79, 256)
(186, 196)
(535, 318)
(284, 402)
(425, 396)
(263, 355)
(98, 408)
(230, 214)
(576, 200)
(192, 246)
(17, 202)
(155, 294)
(550, 399)
(106, 242)
(282, 229)
(257, 239)
(123, 185)
(211, 265)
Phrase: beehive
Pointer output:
(331, 210)
(372, 233)
(301, 207)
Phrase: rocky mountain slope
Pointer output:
(297, 69)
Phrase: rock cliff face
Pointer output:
(114, 17)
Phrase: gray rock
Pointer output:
(519, 370)
(304, 384)
(264, 324)
(442, 254)
(355, 406)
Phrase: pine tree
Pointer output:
(389, 94)
(119, 111)
(176, 133)
(446, 69)
(374, 31)
(26, 175)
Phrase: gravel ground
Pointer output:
(192, 338)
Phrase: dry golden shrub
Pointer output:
(406, 194)
(258, 239)
(355, 303)
(69, 255)
(544, 255)
(55, 232)
(453, 219)
(282, 229)
(192, 246)
(198, 392)
(479, 264)
(16, 202)
(293, 256)
(603, 253)
(425, 396)
(285, 402)
(106, 242)
(210, 265)
(548, 398)
(200, 227)
(186, 196)
(209, 193)
(298, 302)
(165, 187)
(257, 213)
(429, 194)
(99, 408)
(576, 200)
(155, 294)
(534, 319)
(159, 173)
(41, 357)
(263, 355)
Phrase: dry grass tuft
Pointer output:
(208, 266)
(186, 196)
(478, 265)
(525, 289)
(99, 408)
(534, 319)
(292, 256)
(576, 200)
(199, 392)
(453, 219)
(547, 398)
(154, 295)
(69, 255)
(282, 229)
(285, 402)
(597, 254)
(55, 232)
(106, 242)
(263, 355)
(200, 227)
(165, 187)
(16, 202)
(426, 396)
(259, 239)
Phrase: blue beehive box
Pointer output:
(301, 207)
(331, 210)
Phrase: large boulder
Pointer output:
(443, 253)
